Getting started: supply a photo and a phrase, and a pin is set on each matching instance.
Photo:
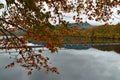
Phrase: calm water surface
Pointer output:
(89, 64)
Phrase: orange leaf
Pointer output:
(29, 72)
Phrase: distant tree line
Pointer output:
(103, 31)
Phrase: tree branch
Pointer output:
(13, 24)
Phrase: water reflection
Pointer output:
(77, 39)
(92, 40)
(90, 64)
(115, 48)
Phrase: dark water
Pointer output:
(115, 48)
(83, 40)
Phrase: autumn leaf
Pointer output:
(10, 65)
(1, 5)
(46, 72)
(40, 51)
(19, 60)
(29, 72)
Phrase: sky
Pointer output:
(68, 16)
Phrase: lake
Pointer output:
(88, 64)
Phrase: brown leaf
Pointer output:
(46, 72)
(19, 60)
(29, 72)
(40, 51)
(11, 65)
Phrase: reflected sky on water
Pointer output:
(90, 64)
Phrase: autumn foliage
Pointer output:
(32, 19)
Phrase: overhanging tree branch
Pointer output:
(13, 24)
